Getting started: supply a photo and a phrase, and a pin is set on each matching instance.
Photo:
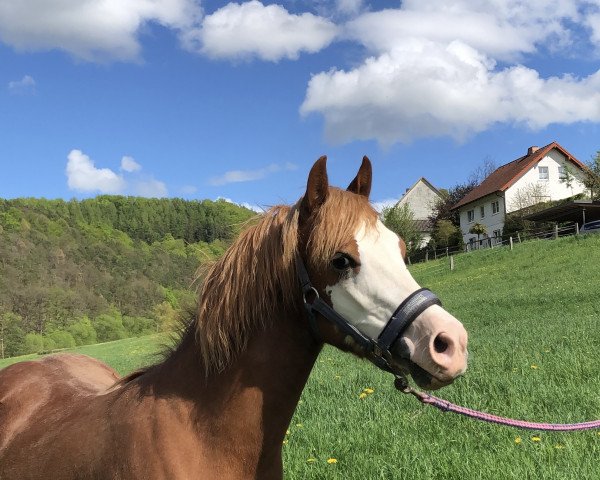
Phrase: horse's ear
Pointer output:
(317, 187)
(361, 184)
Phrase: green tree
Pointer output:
(568, 178)
(443, 208)
(83, 332)
(61, 339)
(591, 178)
(166, 317)
(138, 326)
(400, 219)
(109, 327)
(446, 234)
(34, 343)
(12, 336)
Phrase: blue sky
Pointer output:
(237, 100)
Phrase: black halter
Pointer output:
(378, 351)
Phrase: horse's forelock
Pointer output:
(336, 223)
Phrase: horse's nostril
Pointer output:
(440, 344)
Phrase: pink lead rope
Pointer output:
(446, 406)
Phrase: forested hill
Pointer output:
(75, 272)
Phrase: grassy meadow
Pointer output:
(532, 315)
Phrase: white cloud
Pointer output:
(83, 176)
(25, 85)
(91, 29)
(381, 204)
(235, 176)
(151, 188)
(593, 22)
(249, 206)
(128, 164)
(442, 68)
(251, 29)
(349, 7)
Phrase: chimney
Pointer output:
(532, 149)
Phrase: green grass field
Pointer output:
(123, 355)
(532, 315)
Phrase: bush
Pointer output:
(33, 343)
(446, 234)
(109, 327)
(60, 339)
(138, 326)
(166, 317)
(83, 332)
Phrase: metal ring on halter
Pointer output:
(309, 290)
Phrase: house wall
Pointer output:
(554, 188)
(492, 221)
(421, 200)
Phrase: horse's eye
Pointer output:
(342, 262)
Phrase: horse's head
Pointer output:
(356, 265)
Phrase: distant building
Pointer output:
(538, 176)
(421, 199)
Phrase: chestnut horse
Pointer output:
(219, 405)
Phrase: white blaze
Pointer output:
(368, 299)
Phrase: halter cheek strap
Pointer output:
(378, 351)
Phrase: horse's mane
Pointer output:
(255, 279)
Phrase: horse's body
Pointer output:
(65, 415)
(220, 403)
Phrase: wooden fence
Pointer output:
(427, 254)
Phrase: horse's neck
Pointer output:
(245, 410)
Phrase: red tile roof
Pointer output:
(506, 175)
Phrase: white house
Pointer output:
(421, 199)
(536, 177)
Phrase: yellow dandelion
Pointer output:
(311, 460)
(536, 439)
(368, 391)
(559, 446)
(287, 432)
(337, 377)
(362, 395)
(534, 367)
(285, 442)
(518, 440)
(331, 461)
(299, 425)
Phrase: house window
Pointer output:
(544, 173)
(497, 237)
(495, 207)
(471, 216)
(482, 211)
(562, 174)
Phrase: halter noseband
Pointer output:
(378, 351)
